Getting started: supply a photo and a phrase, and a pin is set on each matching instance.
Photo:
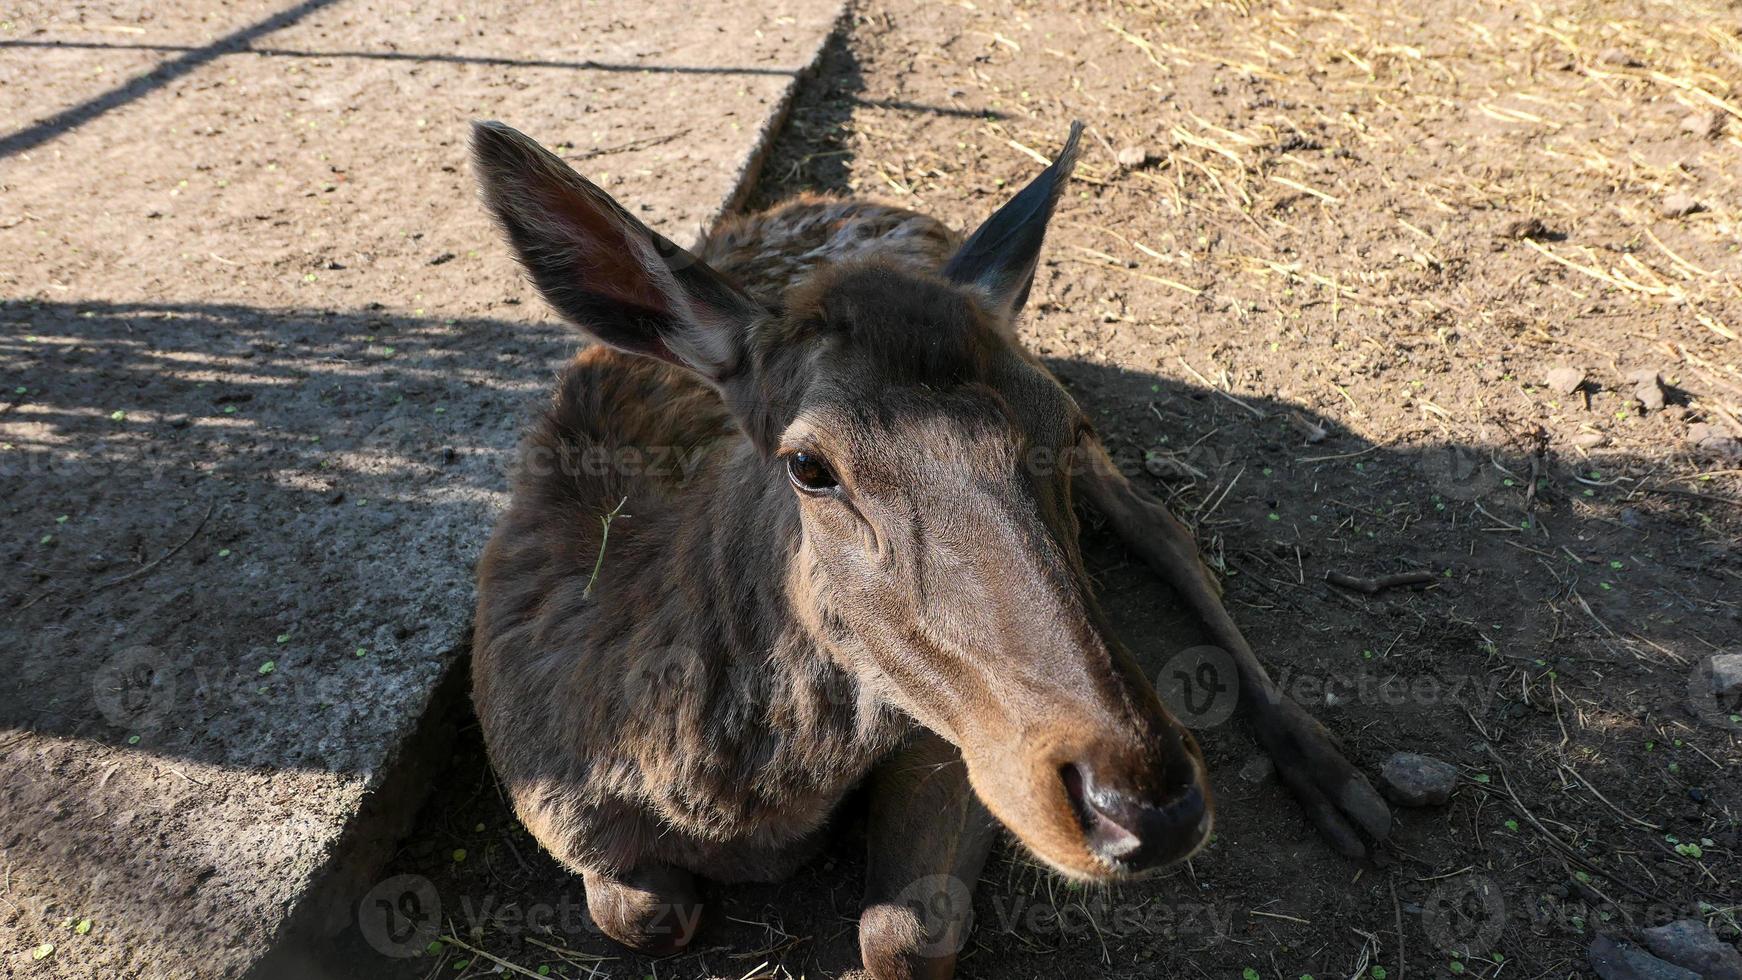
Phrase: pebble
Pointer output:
(1409, 779)
(1563, 380)
(1690, 943)
(1133, 157)
(1257, 769)
(1727, 674)
(1647, 389)
(1166, 467)
(1523, 228)
(1679, 205)
(1589, 440)
(1707, 123)
(1714, 440)
(1615, 959)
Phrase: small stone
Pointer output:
(1679, 205)
(1167, 468)
(1630, 517)
(1133, 157)
(1564, 380)
(1690, 943)
(1709, 438)
(1589, 440)
(1727, 675)
(1617, 58)
(1409, 779)
(1615, 959)
(1257, 769)
(1647, 389)
(1522, 228)
(1706, 123)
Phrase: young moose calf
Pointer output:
(866, 570)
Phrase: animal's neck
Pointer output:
(765, 610)
(788, 731)
(750, 537)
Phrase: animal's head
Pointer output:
(930, 462)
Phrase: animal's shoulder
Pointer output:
(769, 251)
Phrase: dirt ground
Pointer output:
(1318, 267)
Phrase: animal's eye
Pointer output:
(810, 473)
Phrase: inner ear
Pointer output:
(605, 271)
(999, 259)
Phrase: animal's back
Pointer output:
(770, 251)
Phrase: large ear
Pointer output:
(999, 259)
(603, 270)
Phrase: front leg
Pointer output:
(1309, 760)
(929, 836)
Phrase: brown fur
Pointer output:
(685, 668)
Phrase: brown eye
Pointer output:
(809, 473)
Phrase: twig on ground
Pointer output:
(1210, 385)
(130, 576)
(160, 559)
(499, 961)
(1373, 586)
(1618, 811)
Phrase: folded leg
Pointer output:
(929, 837)
(1337, 797)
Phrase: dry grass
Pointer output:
(1362, 181)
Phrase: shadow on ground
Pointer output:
(240, 548)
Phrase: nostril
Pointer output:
(1131, 832)
(1110, 832)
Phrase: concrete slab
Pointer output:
(263, 360)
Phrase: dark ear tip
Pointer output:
(1066, 161)
(497, 143)
(489, 130)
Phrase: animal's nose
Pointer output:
(1130, 832)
